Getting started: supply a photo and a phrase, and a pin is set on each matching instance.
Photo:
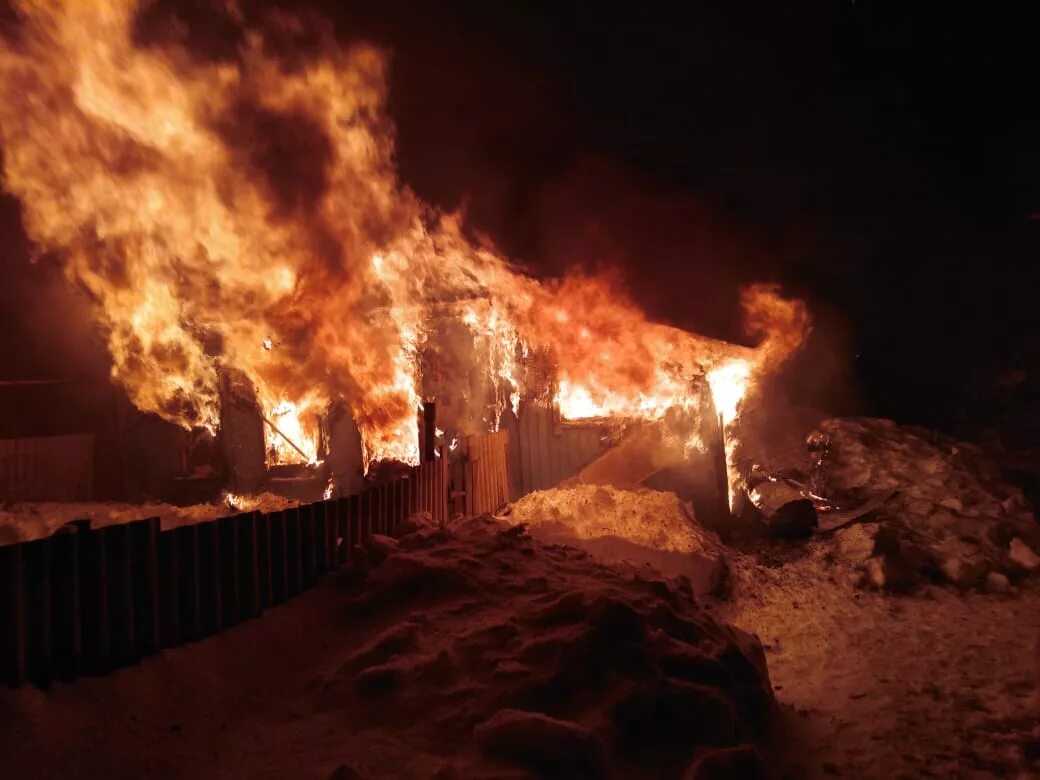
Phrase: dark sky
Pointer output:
(880, 159)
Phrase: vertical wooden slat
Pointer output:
(248, 565)
(169, 590)
(353, 525)
(523, 478)
(413, 492)
(144, 541)
(209, 577)
(279, 559)
(293, 551)
(230, 576)
(264, 570)
(343, 531)
(36, 559)
(309, 534)
(12, 616)
(330, 525)
(325, 526)
(120, 593)
(381, 513)
(94, 597)
(65, 604)
(364, 515)
(189, 603)
(552, 448)
(422, 472)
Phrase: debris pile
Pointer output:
(948, 517)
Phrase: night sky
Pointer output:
(880, 159)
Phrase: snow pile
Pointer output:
(952, 517)
(648, 527)
(489, 653)
(33, 520)
(650, 518)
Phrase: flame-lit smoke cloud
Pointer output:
(246, 214)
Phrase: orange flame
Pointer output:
(247, 215)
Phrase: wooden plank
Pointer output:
(353, 525)
(523, 426)
(209, 577)
(189, 604)
(36, 559)
(479, 483)
(120, 593)
(264, 571)
(67, 647)
(363, 516)
(169, 591)
(248, 565)
(326, 524)
(381, 512)
(12, 616)
(342, 531)
(279, 559)
(94, 596)
(230, 576)
(552, 449)
(144, 542)
(309, 539)
(294, 552)
(541, 460)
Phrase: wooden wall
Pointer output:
(47, 468)
(552, 451)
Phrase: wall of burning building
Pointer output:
(243, 218)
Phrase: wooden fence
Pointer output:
(487, 472)
(551, 451)
(87, 600)
(47, 468)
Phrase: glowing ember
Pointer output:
(210, 207)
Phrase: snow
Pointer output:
(440, 655)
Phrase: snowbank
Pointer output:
(644, 526)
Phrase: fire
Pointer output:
(246, 214)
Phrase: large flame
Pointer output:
(246, 214)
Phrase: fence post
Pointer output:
(227, 527)
(169, 589)
(353, 537)
(119, 569)
(320, 540)
(264, 578)
(144, 542)
(342, 532)
(65, 603)
(209, 577)
(36, 559)
(294, 558)
(12, 615)
(248, 565)
(330, 523)
(189, 591)
(309, 538)
(279, 572)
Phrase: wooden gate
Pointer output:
(487, 472)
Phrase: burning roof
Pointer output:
(247, 214)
